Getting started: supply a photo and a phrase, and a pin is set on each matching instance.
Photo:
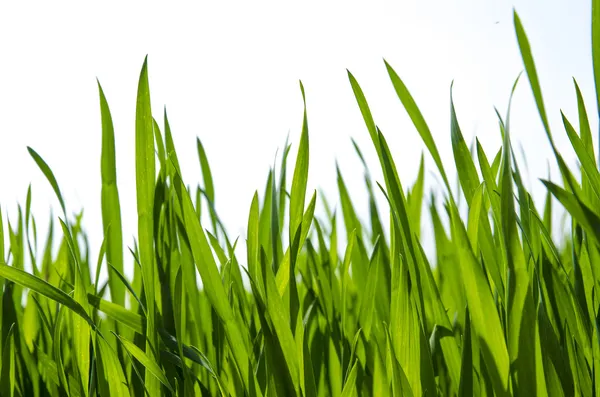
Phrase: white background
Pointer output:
(229, 74)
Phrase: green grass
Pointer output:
(507, 310)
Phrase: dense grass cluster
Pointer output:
(505, 311)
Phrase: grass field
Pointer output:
(506, 310)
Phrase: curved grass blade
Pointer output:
(146, 361)
(417, 118)
(40, 286)
(49, 176)
(118, 313)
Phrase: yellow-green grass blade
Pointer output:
(111, 208)
(209, 188)
(170, 146)
(585, 132)
(349, 389)
(145, 175)
(484, 316)
(299, 182)
(587, 162)
(467, 173)
(160, 146)
(118, 313)
(252, 243)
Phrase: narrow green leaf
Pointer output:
(111, 208)
(147, 362)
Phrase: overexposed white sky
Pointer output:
(228, 73)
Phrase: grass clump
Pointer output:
(504, 312)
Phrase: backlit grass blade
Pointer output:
(145, 174)
(42, 287)
(467, 174)
(111, 369)
(364, 109)
(118, 313)
(587, 162)
(299, 182)
(485, 318)
(49, 176)
(417, 118)
(585, 132)
(111, 208)
(209, 188)
(147, 362)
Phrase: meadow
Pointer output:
(318, 306)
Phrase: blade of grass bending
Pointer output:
(147, 362)
(129, 287)
(585, 132)
(145, 175)
(118, 313)
(111, 208)
(49, 176)
(419, 122)
(587, 161)
(209, 188)
(43, 288)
